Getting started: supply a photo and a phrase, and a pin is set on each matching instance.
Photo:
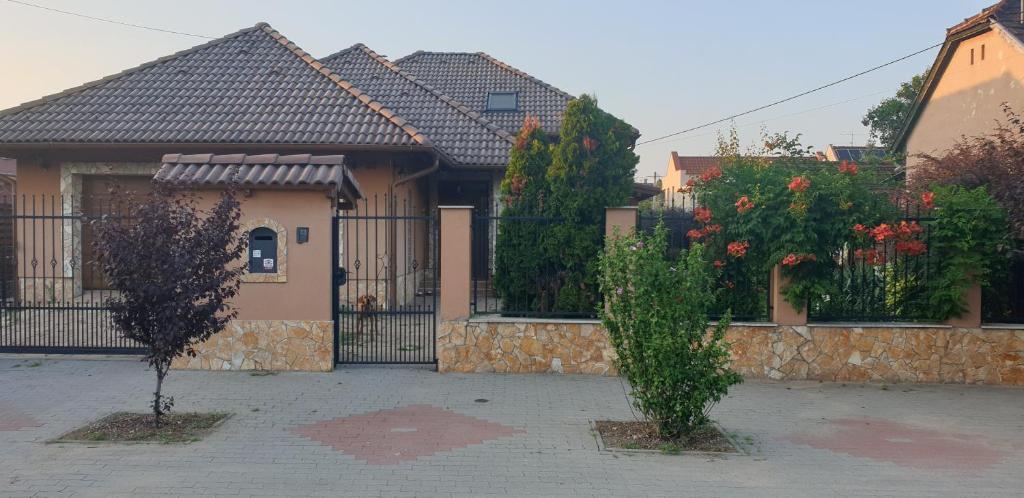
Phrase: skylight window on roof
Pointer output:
(503, 101)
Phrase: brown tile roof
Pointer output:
(468, 77)
(252, 86)
(694, 165)
(259, 171)
(1005, 12)
(459, 133)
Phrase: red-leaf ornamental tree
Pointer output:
(174, 267)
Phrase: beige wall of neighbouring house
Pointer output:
(967, 98)
(673, 181)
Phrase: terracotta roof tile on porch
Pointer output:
(259, 171)
(252, 86)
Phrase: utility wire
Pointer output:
(787, 99)
(783, 116)
(111, 21)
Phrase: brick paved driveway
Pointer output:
(389, 432)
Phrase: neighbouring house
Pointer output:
(980, 67)
(682, 169)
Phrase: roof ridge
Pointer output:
(106, 79)
(523, 74)
(360, 95)
(448, 100)
(429, 52)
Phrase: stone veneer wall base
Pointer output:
(294, 345)
(876, 353)
(527, 346)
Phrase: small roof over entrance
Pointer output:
(263, 171)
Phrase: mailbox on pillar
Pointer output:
(263, 251)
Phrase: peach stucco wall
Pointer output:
(305, 295)
(967, 98)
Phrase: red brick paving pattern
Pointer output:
(13, 420)
(904, 444)
(388, 437)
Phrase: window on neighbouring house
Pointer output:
(982, 51)
(503, 101)
(972, 56)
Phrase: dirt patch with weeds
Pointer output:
(139, 427)
(632, 435)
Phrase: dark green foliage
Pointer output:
(519, 258)
(970, 237)
(592, 168)
(886, 119)
(657, 318)
(815, 221)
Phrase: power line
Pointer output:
(111, 21)
(783, 116)
(794, 97)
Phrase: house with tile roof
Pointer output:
(428, 129)
(979, 67)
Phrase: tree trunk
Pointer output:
(157, 402)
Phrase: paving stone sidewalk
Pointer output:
(412, 432)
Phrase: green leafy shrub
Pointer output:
(969, 235)
(592, 168)
(759, 211)
(519, 260)
(657, 317)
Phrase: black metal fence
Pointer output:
(53, 297)
(883, 283)
(509, 279)
(385, 282)
(1003, 302)
(747, 297)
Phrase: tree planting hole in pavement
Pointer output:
(138, 427)
(632, 435)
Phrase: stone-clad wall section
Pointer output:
(828, 353)
(305, 345)
(882, 354)
(524, 347)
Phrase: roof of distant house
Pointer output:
(694, 165)
(471, 77)
(1005, 15)
(259, 171)
(252, 86)
(855, 152)
(1005, 12)
(457, 131)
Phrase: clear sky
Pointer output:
(662, 66)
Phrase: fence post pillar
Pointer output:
(456, 262)
(972, 317)
(784, 313)
(621, 218)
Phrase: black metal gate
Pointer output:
(385, 283)
(46, 302)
